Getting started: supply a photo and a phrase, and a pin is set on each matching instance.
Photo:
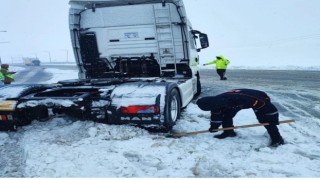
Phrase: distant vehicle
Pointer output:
(36, 62)
(31, 61)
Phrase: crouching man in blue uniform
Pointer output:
(225, 106)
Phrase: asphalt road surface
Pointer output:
(37, 74)
(32, 75)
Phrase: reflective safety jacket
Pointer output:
(1, 77)
(221, 62)
(7, 76)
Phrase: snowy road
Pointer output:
(296, 93)
(32, 74)
(65, 148)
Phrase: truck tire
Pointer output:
(172, 109)
(29, 115)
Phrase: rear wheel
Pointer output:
(172, 109)
(28, 115)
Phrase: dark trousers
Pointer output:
(267, 114)
(221, 73)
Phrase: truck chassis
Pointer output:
(95, 100)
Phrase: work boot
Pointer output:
(276, 141)
(225, 134)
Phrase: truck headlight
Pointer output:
(8, 105)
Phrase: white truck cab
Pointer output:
(133, 38)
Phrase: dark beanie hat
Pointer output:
(211, 103)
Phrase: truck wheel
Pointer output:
(198, 86)
(172, 109)
(31, 114)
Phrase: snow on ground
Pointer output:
(61, 74)
(63, 147)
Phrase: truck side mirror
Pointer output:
(204, 40)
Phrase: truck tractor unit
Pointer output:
(138, 64)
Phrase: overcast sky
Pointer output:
(248, 32)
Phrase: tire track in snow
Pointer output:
(297, 105)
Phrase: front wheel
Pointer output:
(172, 109)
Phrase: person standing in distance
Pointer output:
(225, 106)
(6, 76)
(221, 66)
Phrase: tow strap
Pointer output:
(177, 135)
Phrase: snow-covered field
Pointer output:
(64, 147)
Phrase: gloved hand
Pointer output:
(213, 129)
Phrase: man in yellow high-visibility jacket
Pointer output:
(221, 66)
(1, 78)
(7, 77)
